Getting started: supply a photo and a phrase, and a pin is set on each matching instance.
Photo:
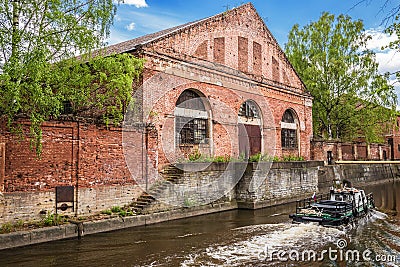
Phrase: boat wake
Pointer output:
(253, 242)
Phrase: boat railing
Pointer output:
(338, 208)
(306, 202)
(370, 200)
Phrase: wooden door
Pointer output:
(249, 140)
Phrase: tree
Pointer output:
(350, 97)
(394, 28)
(39, 71)
(391, 22)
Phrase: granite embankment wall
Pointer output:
(258, 185)
(28, 206)
(252, 186)
(268, 184)
(359, 174)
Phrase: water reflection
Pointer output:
(234, 238)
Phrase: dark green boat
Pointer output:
(339, 207)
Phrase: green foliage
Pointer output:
(292, 158)
(263, 158)
(124, 213)
(195, 155)
(7, 228)
(116, 209)
(52, 219)
(256, 157)
(106, 212)
(187, 202)
(37, 75)
(225, 158)
(350, 98)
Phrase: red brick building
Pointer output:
(222, 86)
(218, 86)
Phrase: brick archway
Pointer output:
(249, 129)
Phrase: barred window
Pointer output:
(249, 110)
(289, 138)
(289, 131)
(191, 131)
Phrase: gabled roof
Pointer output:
(137, 43)
(133, 44)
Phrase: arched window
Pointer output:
(249, 110)
(190, 100)
(191, 119)
(289, 130)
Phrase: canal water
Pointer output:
(235, 238)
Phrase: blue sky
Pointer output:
(139, 17)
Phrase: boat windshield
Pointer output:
(341, 198)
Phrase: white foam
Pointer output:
(278, 236)
(187, 235)
(378, 215)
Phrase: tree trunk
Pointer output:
(15, 30)
(330, 135)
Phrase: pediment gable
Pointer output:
(238, 39)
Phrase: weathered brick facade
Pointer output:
(227, 59)
(348, 151)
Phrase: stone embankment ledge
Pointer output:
(285, 183)
(47, 234)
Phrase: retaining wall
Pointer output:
(261, 185)
(29, 206)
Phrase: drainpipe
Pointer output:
(77, 169)
(146, 157)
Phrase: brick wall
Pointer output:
(243, 54)
(348, 151)
(231, 29)
(92, 153)
(224, 94)
(83, 155)
(228, 59)
(250, 65)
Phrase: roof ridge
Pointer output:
(151, 37)
(189, 24)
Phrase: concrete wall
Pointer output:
(267, 184)
(252, 185)
(29, 206)
(358, 174)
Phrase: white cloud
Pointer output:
(136, 3)
(388, 59)
(154, 22)
(379, 39)
(131, 26)
(117, 18)
(117, 37)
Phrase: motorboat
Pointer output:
(340, 206)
